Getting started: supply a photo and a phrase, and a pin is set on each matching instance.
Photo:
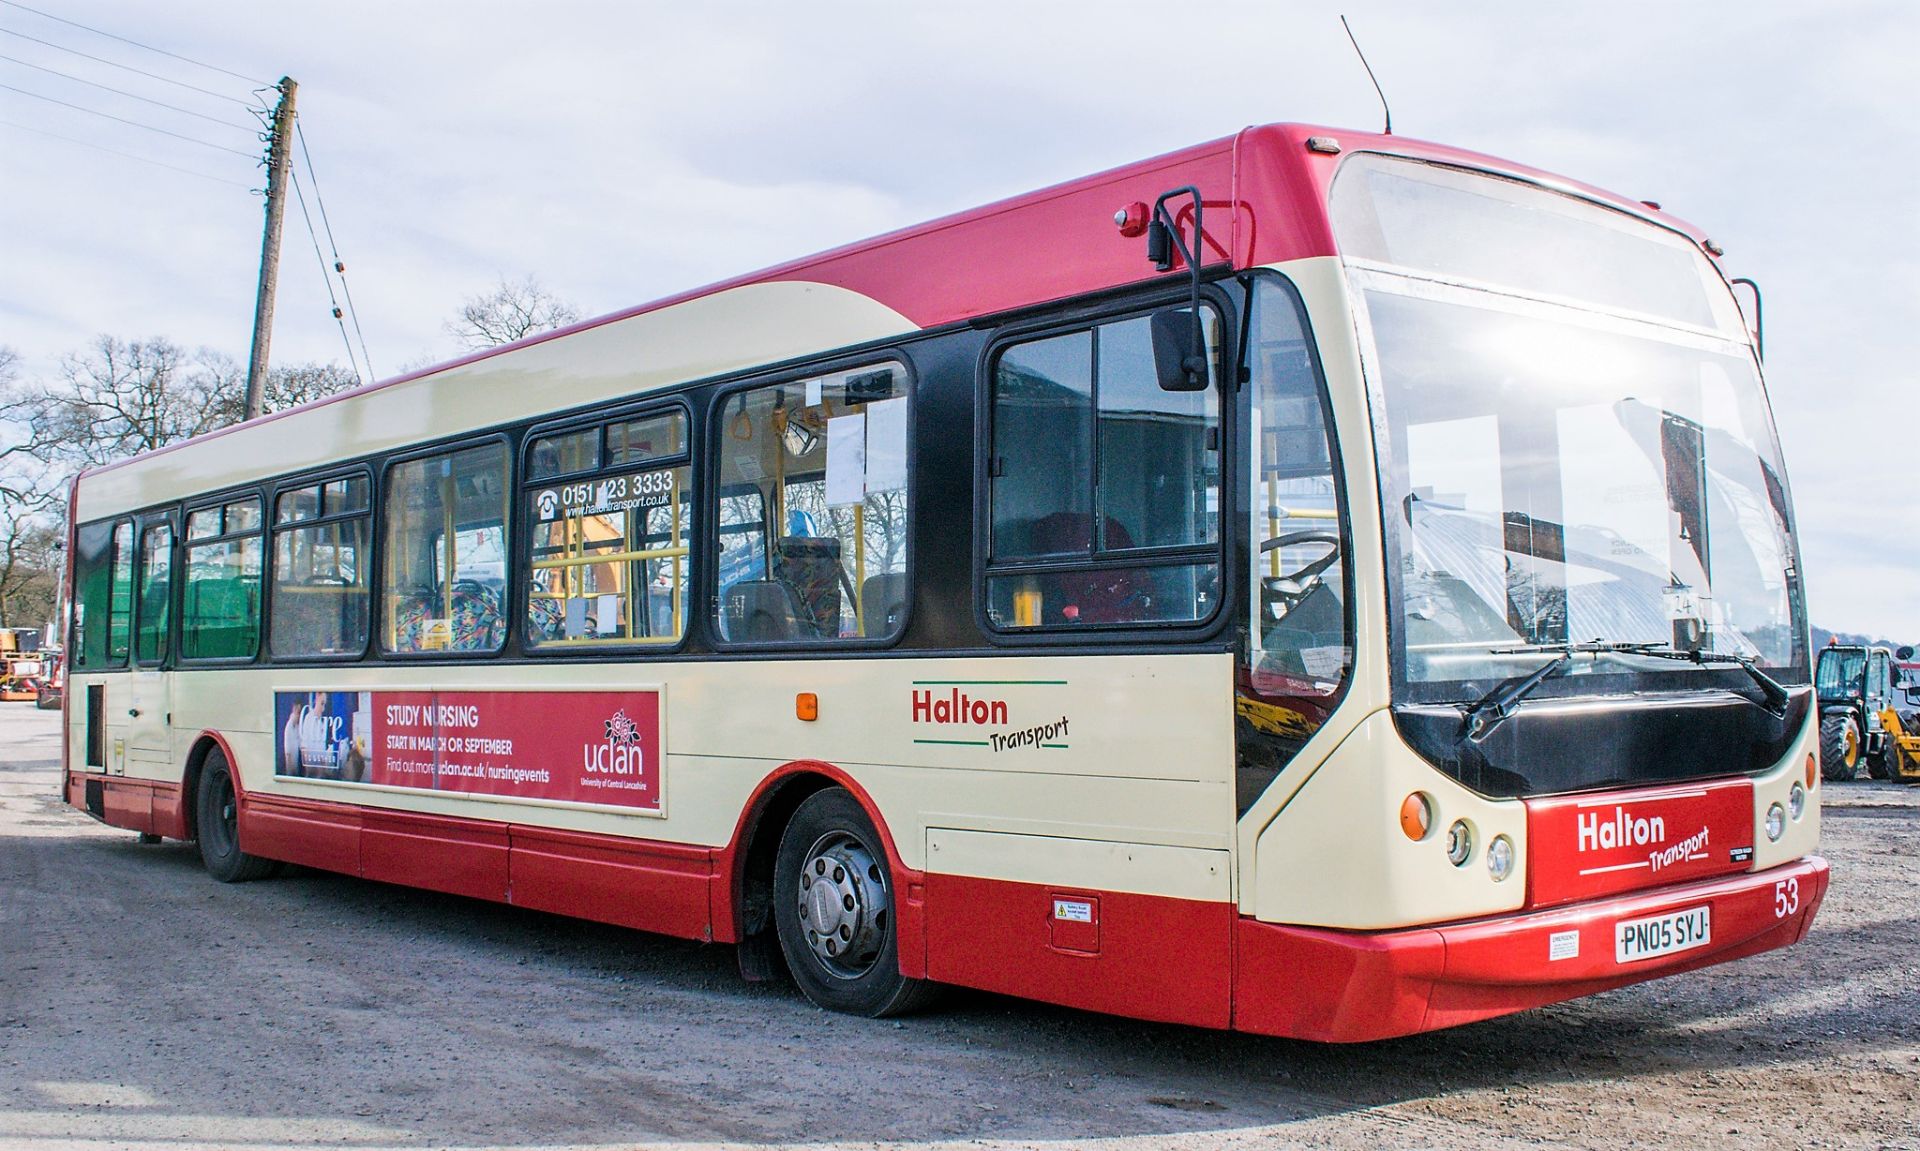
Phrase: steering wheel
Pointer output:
(1295, 586)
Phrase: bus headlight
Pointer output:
(1776, 822)
(1797, 802)
(1500, 858)
(1459, 843)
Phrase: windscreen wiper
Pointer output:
(1772, 692)
(1498, 704)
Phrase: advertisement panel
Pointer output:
(593, 747)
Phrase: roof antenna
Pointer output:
(1370, 75)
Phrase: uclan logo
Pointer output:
(620, 753)
(1624, 829)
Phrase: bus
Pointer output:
(1314, 583)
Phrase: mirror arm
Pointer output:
(1759, 319)
(1196, 362)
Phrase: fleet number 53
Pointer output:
(1786, 898)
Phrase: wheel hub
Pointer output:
(844, 904)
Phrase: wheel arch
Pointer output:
(747, 863)
(203, 744)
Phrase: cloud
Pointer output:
(622, 152)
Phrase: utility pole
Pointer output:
(279, 155)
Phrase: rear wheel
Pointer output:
(218, 809)
(833, 909)
(1839, 748)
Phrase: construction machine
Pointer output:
(1868, 712)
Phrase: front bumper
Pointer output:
(1350, 986)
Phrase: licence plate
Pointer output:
(1635, 939)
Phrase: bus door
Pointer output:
(149, 690)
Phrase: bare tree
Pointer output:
(122, 397)
(29, 565)
(512, 311)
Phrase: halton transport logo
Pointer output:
(957, 708)
(1595, 832)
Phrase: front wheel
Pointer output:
(1880, 765)
(1839, 748)
(834, 910)
(218, 809)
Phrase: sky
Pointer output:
(620, 152)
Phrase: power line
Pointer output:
(339, 265)
(135, 43)
(129, 95)
(324, 274)
(124, 120)
(128, 68)
(118, 152)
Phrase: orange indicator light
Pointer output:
(1813, 770)
(806, 706)
(1416, 815)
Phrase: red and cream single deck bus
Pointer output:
(1315, 583)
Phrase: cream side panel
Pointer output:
(1144, 755)
(1336, 857)
(1178, 872)
(1802, 836)
(729, 331)
(1322, 287)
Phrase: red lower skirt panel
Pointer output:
(151, 806)
(651, 886)
(322, 835)
(457, 856)
(1343, 987)
(1142, 956)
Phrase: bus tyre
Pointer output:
(833, 909)
(218, 808)
(1839, 748)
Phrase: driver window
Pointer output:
(1299, 649)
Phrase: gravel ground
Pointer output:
(144, 1005)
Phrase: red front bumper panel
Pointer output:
(1345, 987)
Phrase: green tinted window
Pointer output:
(220, 604)
(120, 607)
(93, 568)
(156, 592)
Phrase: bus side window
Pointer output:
(609, 534)
(156, 592)
(1105, 488)
(220, 601)
(321, 576)
(96, 627)
(812, 542)
(445, 535)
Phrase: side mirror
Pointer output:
(1904, 655)
(1176, 335)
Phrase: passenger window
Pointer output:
(564, 455)
(609, 548)
(1105, 489)
(812, 542)
(445, 535)
(322, 594)
(156, 593)
(97, 600)
(220, 604)
(120, 611)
